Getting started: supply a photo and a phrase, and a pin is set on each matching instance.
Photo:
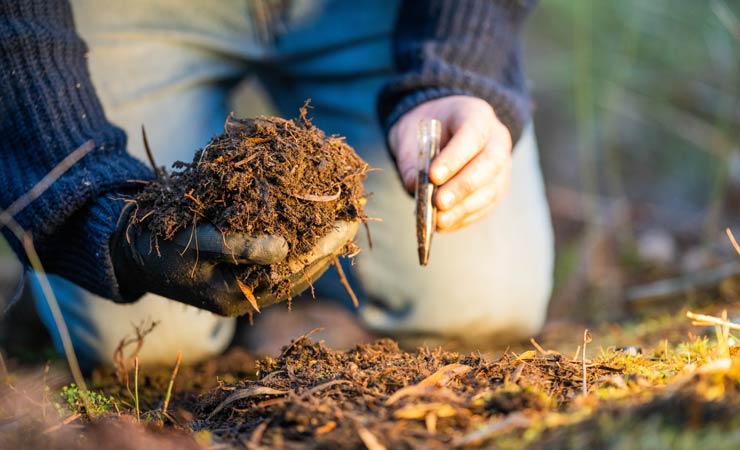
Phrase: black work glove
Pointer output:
(197, 268)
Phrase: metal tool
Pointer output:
(428, 136)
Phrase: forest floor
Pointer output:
(653, 382)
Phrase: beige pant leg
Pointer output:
(491, 280)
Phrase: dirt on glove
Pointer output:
(266, 175)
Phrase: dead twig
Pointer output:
(66, 421)
(7, 220)
(367, 233)
(321, 387)
(246, 160)
(172, 382)
(39, 188)
(512, 421)
(136, 389)
(4, 370)
(703, 320)
(256, 438)
(121, 361)
(345, 282)
(577, 354)
(368, 438)
(51, 300)
(586, 339)
(722, 328)
(294, 341)
(189, 195)
(251, 391)
(536, 345)
(157, 172)
(732, 239)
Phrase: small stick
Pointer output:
(51, 300)
(66, 421)
(136, 389)
(149, 154)
(537, 346)
(191, 197)
(7, 219)
(256, 438)
(368, 438)
(732, 239)
(345, 282)
(172, 382)
(705, 320)
(4, 370)
(39, 188)
(369, 236)
(586, 339)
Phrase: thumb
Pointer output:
(210, 243)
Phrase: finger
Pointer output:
(471, 219)
(481, 171)
(330, 244)
(210, 243)
(404, 146)
(483, 201)
(467, 141)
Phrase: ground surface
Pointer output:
(674, 394)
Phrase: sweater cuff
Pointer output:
(80, 251)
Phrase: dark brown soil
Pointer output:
(314, 397)
(376, 396)
(261, 176)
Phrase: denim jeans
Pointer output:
(172, 66)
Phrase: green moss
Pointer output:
(88, 403)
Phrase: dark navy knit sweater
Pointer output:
(48, 108)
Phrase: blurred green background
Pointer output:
(638, 116)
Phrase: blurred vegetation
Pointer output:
(646, 90)
(638, 116)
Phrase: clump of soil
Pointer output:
(314, 397)
(261, 176)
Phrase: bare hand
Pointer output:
(473, 170)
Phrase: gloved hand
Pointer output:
(197, 268)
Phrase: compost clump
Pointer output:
(266, 175)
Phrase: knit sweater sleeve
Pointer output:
(48, 108)
(459, 47)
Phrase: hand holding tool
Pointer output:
(428, 136)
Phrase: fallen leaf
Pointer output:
(248, 294)
(526, 356)
(439, 378)
(319, 198)
(251, 391)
